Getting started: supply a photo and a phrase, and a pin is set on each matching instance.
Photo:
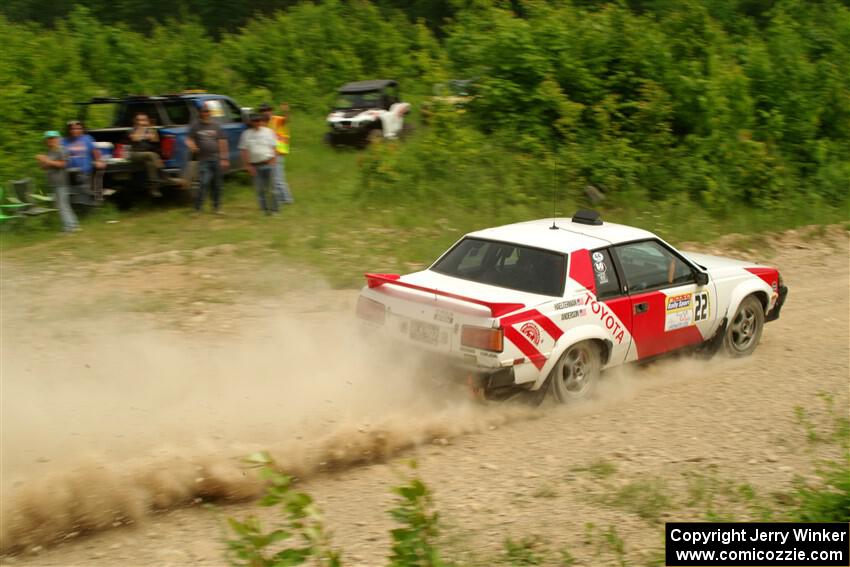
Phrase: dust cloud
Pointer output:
(105, 422)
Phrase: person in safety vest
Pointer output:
(280, 126)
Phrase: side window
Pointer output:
(231, 112)
(130, 111)
(607, 282)
(178, 112)
(216, 109)
(649, 265)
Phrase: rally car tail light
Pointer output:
(485, 338)
(371, 310)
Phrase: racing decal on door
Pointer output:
(678, 312)
(701, 307)
(665, 323)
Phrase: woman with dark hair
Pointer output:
(82, 158)
(143, 142)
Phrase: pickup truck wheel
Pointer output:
(744, 331)
(575, 374)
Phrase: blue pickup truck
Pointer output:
(109, 121)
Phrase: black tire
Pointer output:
(576, 373)
(744, 331)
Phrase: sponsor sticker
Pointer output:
(531, 332)
(599, 267)
(679, 312)
(598, 256)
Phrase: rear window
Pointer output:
(177, 111)
(101, 115)
(502, 264)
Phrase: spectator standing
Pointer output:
(82, 158)
(143, 141)
(207, 140)
(280, 126)
(53, 162)
(257, 145)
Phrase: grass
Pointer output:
(646, 498)
(601, 468)
(332, 230)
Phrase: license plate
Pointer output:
(424, 332)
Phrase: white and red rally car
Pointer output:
(547, 305)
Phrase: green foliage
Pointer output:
(681, 101)
(254, 547)
(646, 498)
(828, 498)
(718, 104)
(523, 552)
(414, 543)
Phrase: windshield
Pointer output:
(512, 266)
(359, 100)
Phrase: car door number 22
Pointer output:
(701, 306)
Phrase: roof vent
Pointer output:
(586, 216)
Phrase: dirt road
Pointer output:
(146, 407)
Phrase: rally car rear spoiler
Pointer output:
(496, 309)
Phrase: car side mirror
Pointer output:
(701, 277)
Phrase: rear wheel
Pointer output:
(744, 331)
(576, 373)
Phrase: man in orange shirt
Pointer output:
(280, 127)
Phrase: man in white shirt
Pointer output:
(257, 145)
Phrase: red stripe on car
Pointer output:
(769, 275)
(581, 269)
(534, 315)
(525, 346)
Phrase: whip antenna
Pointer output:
(554, 189)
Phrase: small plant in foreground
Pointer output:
(523, 552)
(646, 498)
(254, 547)
(414, 543)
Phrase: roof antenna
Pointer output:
(554, 188)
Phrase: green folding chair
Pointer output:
(24, 194)
(10, 204)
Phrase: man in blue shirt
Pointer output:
(82, 158)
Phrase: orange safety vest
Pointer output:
(280, 127)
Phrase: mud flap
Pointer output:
(710, 347)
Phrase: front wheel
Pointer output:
(576, 373)
(744, 332)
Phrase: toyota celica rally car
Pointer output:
(545, 306)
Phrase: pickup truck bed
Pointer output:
(171, 115)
